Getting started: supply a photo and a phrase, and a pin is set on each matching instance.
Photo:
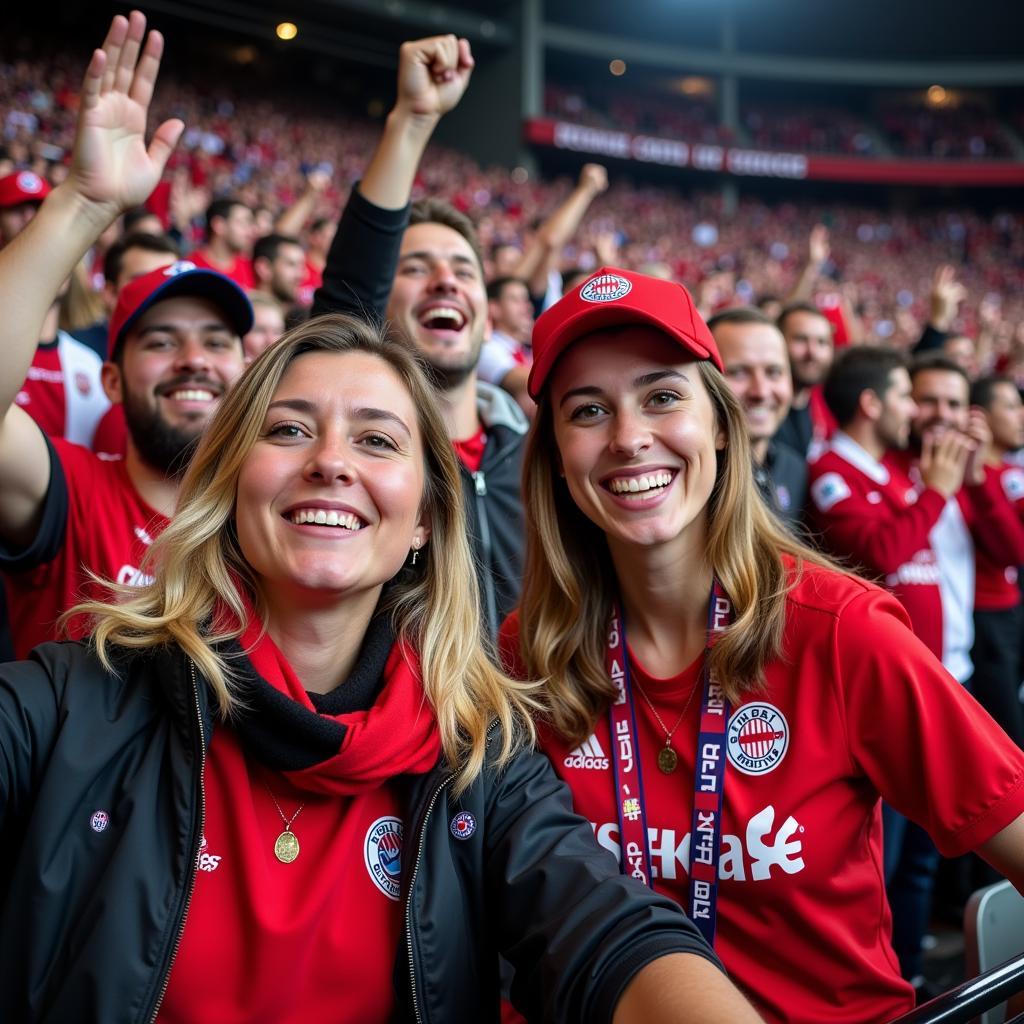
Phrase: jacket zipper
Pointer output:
(202, 826)
(480, 481)
(412, 883)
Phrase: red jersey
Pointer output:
(995, 584)
(978, 518)
(62, 390)
(111, 438)
(93, 519)
(803, 924)
(870, 515)
(336, 928)
(240, 271)
(293, 945)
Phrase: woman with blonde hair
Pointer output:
(726, 706)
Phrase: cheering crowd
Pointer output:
(448, 583)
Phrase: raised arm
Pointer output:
(555, 233)
(112, 169)
(432, 76)
(818, 252)
(294, 219)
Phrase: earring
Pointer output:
(415, 551)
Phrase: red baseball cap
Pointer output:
(22, 187)
(177, 279)
(617, 298)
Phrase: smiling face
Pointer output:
(176, 363)
(329, 498)
(757, 369)
(941, 398)
(809, 341)
(438, 300)
(637, 437)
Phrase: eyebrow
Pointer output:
(303, 405)
(424, 254)
(643, 381)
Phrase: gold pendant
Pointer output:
(667, 760)
(286, 848)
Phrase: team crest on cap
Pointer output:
(463, 825)
(757, 738)
(99, 821)
(29, 182)
(606, 288)
(179, 267)
(382, 853)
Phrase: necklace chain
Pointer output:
(682, 714)
(287, 821)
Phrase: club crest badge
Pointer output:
(757, 738)
(463, 825)
(99, 821)
(606, 288)
(382, 853)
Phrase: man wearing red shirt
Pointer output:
(808, 335)
(175, 348)
(864, 505)
(230, 233)
(997, 599)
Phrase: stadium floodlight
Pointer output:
(286, 30)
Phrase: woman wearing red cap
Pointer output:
(726, 706)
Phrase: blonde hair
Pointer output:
(569, 582)
(200, 571)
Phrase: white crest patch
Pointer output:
(606, 288)
(828, 490)
(757, 738)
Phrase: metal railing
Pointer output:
(963, 1004)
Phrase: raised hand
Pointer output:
(818, 250)
(946, 295)
(944, 460)
(594, 178)
(111, 165)
(980, 434)
(432, 75)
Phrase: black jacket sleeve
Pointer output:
(53, 524)
(930, 340)
(574, 928)
(362, 260)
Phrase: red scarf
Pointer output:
(396, 736)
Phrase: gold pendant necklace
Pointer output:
(668, 759)
(286, 846)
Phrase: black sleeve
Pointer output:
(574, 928)
(362, 261)
(49, 538)
(930, 340)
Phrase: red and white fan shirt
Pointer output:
(93, 520)
(856, 708)
(995, 585)
(871, 516)
(62, 391)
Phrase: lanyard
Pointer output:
(709, 771)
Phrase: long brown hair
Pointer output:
(569, 581)
(198, 566)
